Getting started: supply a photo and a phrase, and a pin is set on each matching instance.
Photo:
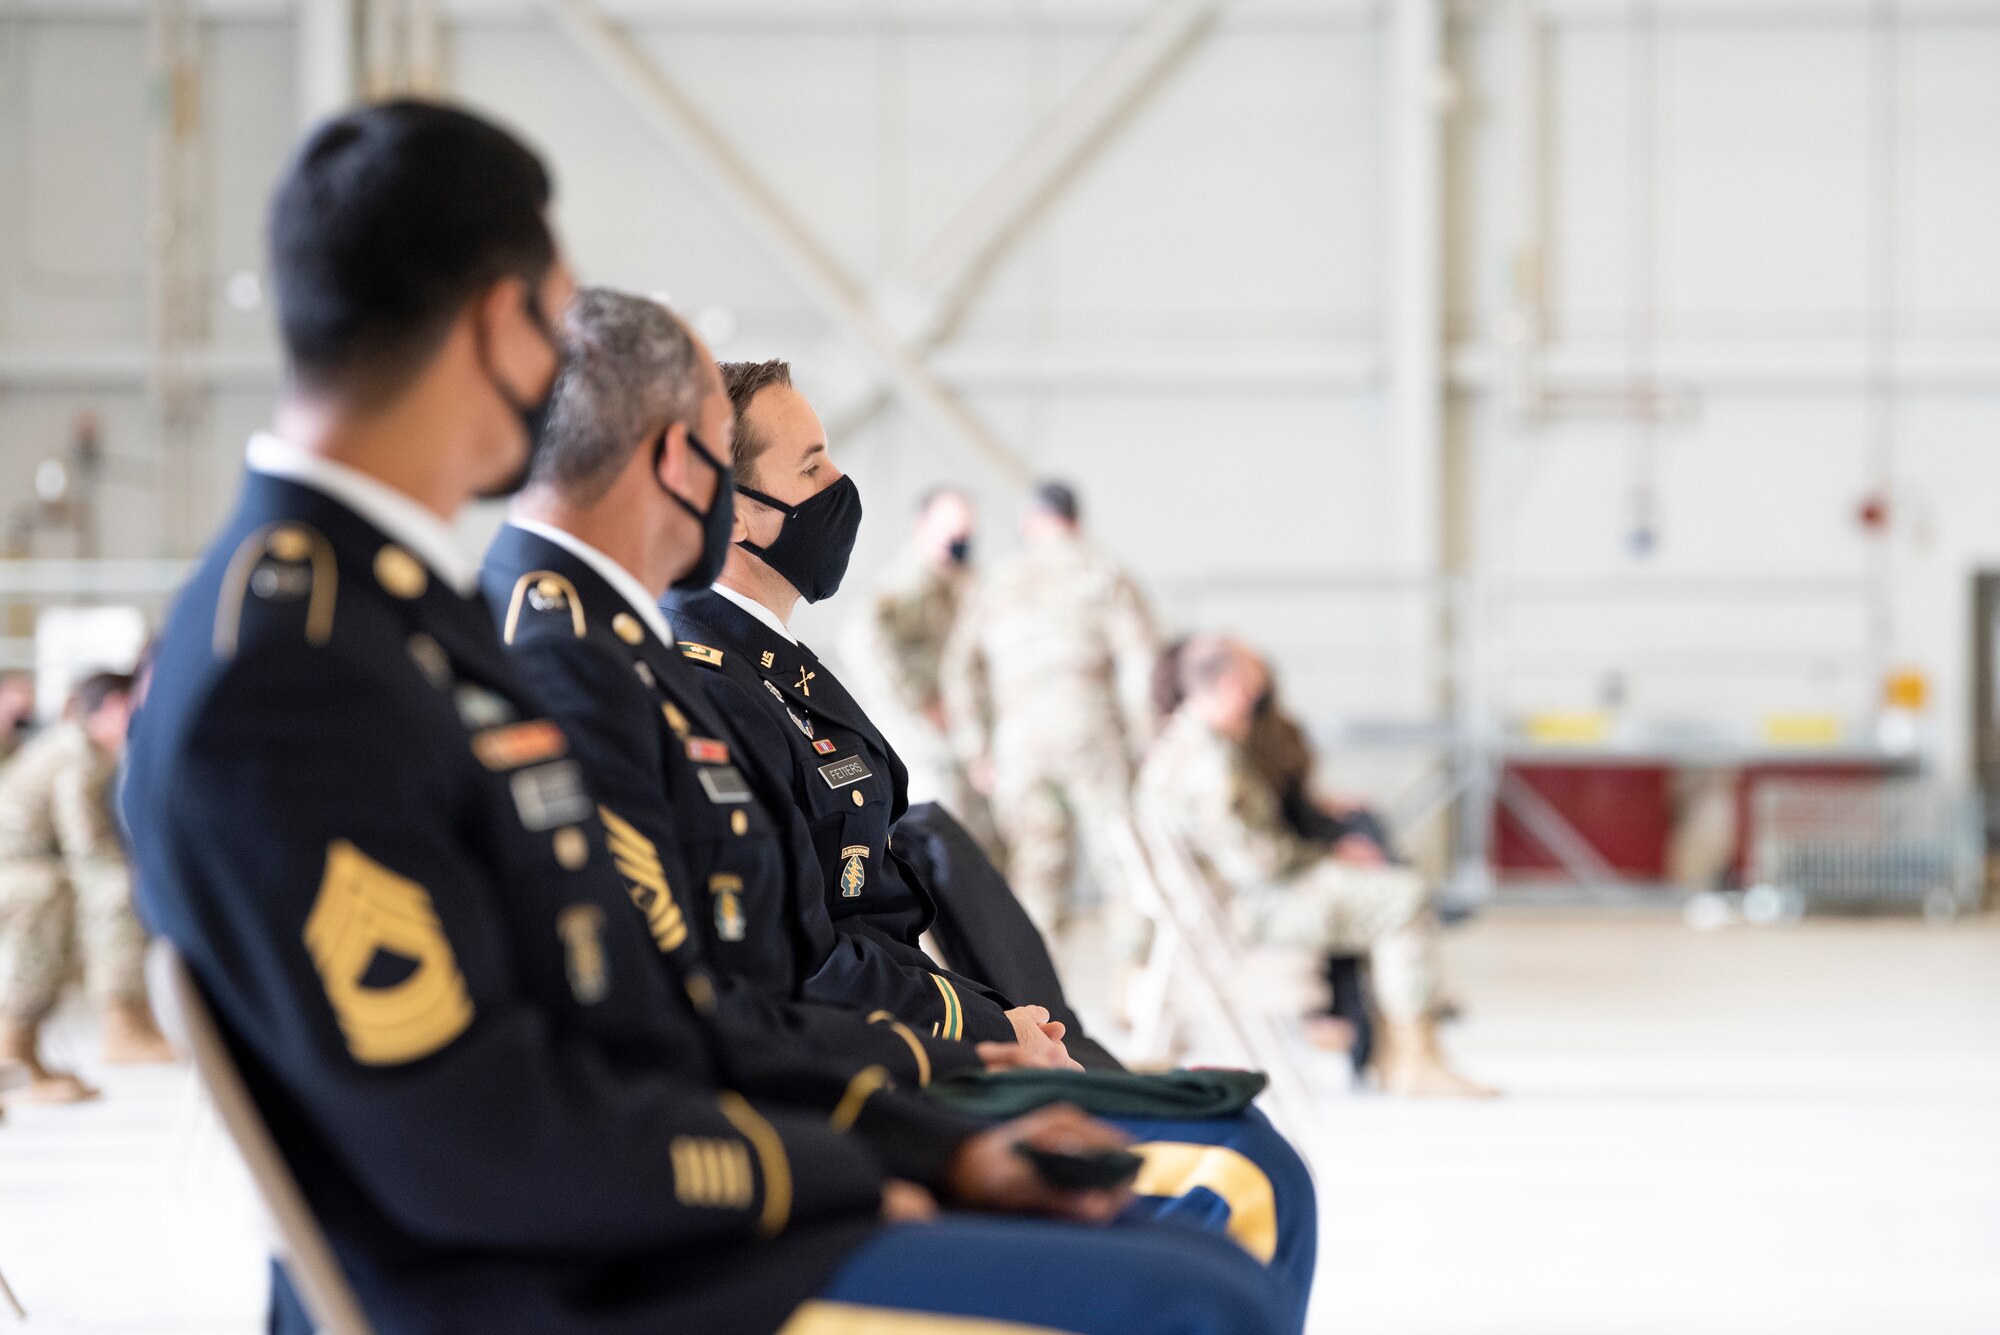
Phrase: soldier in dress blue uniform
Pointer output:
(630, 496)
(391, 880)
(792, 536)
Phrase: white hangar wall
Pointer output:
(1194, 329)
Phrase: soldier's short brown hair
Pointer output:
(743, 380)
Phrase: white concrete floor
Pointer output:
(1771, 1131)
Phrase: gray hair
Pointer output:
(632, 370)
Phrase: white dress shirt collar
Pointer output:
(403, 519)
(758, 610)
(617, 576)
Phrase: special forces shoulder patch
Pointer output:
(384, 960)
(581, 926)
(853, 871)
(726, 889)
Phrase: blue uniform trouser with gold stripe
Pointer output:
(985, 1275)
(1235, 1176)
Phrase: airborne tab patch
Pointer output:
(854, 872)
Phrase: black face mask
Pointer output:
(716, 521)
(534, 416)
(959, 550)
(812, 548)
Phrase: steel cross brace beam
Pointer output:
(722, 171)
(929, 295)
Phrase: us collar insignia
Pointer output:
(854, 872)
(765, 661)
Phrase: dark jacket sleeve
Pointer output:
(849, 964)
(485, 1122)
(826, 1057)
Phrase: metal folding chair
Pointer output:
(303, 1248)
(1200, 971)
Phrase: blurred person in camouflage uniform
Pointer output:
(64, 884)
(1201, 782)
(894, 647)
(1047, 686)
(17, 710)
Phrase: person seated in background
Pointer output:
(629, 497)
(1201, 782)
(1280, 751)
(893, 648)
(65, 890)
(17, 710)
(412, 921)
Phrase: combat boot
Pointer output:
(1410, 1065)
(20, 1046)
(131, 1038)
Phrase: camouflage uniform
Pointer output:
(1285, 890)
(893, 650)
(1047, 678)
(63, 876)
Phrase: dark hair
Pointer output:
(1058, 499)
(92, 692)
(631, 371)
(387, 221)
(743, 380)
